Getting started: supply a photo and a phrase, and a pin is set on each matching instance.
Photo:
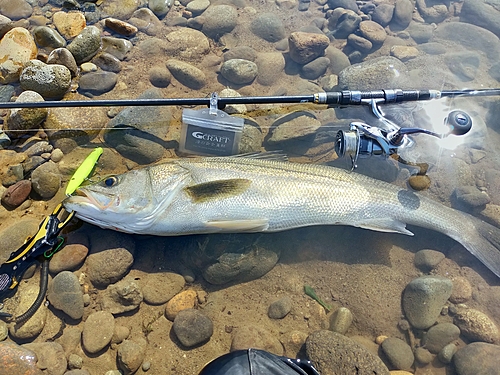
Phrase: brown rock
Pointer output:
(71, 255)
(17, 193)
(184, 300)
(98, 331)
(69, 24)
(305, 47)
(17, 48)
(372, 31)
(419, 182)
(119, 26)
(14, 359)
(476, 326)
(161, 287)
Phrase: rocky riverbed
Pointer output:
(123, 304)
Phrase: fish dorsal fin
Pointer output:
(227, 226)
(219, 189)
(384, 225)
(267, 155)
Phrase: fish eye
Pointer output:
(111, 181)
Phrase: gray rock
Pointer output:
(241, 52)
(424, 298)
(471, 196)
(48, 37)
(62, 56)
(476, 326)
(46, 180)
(378, 72)
(421, 33)
(196, 7)
(347, 24)
(187, 74)
(16, 9)
(462, 290)
(121, 297)
(86, 44)
(333, 353)
(268, 27)
(97, 83)
(338, 59)
(97, 331)
(146, 21)
(219, 20)
(112, 254)
(76, 249)
(187, 44)
(160, 7)
(280, 308)
(74, 362)
(130, 355)
(270, 66)
(117, 47)
(482, 13)
(159, 288)
(341, 320)
(359, 43)
(373, 32)
(436, 13)
(251, 139)
(51, 81)
(159, 76)
(239, 71)
(21, 120)
(65, 294)
(107, 62)
(147, 137)
(121, 333)
(398, 352)
(315, 68)
(477, 359)
(471, 37)
(446, 354)
(192, 327)
(427, 259)
(423, 356)
(438, 336)
(246, 337)
(346, 4)
(6, 92)
(50, 356)
(122, 9)
(31, 163)
(383, 14)
(464, 65)
(403, 12)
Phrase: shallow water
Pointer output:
(235, 275)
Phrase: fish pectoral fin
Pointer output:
(219, 189)
(384, 225)
(252, 225)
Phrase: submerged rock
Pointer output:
(16, 359)
(17, 47)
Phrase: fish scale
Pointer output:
(253, 194)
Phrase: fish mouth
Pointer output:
(84, 197)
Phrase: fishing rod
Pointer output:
(333, 98)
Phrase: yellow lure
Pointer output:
(83, 171)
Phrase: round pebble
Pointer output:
(280, 308)
(219, 20)
(107, 62)
(146, 365)
(16, 194)
(239, 71)
(62, 56)
(16, 359)
(121, 297)
(75, 250)
(97, 331)
(46, 180)
(130, 356)
(121, 27)
(438, 336)
(268, 27)
(121, 333)
(187, 74)
(184, 300)
(98, 82)
(192, 327)
(427, 260)
(398, 352)
(419, 182)
(48, 37)
(462, 290)
(477, 355)
(341, 320)
(69, 24)
(423, 356)
(118, 47)
(159, 76)
(75, 361)
(86, 44)
(65, 294)
(159, 288)
(446, 354)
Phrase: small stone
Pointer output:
(446, 354)
(49, 80)
(372, 31)
(16, 194)
(121, 333)
(305, 47)
(160, 7)
(187, 74)
(438, 336)
(97, 331)
(74, 253)
(315, 68)
(69, 24)
(107, 62)
(16, 9)
(48, 37)
(65, 294)
(98, 83)
(146, 365)
(56, 155)
(219, 20)
(159, 288)
(341, 320)
(86, 44)
(398, 352)
(17, 48)
(280, 308)
(476, 326)
(419, 182)
(130, 356)
(246, 337)
(121, 27)
(118, 47)
(182, 301)
(404, 53)
(268, 27)
(159, 76)
(239, 71)
(427, 260)
(88, 67)
(423, 356)
(62, 56)
(46, 180)
(192, 327)
(424, 298)
(121, 297)
(75, 361)
(475, 356)
(462, 290)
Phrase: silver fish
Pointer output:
(256, 194)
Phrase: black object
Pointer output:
(346, 97)
(257, 362)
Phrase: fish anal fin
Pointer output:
(228, 226)
(217, 189)
(384, 225)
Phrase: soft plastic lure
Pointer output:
(311, 293)
(83, 171)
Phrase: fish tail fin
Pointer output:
(483, 241)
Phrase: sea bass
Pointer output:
(262, 194)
